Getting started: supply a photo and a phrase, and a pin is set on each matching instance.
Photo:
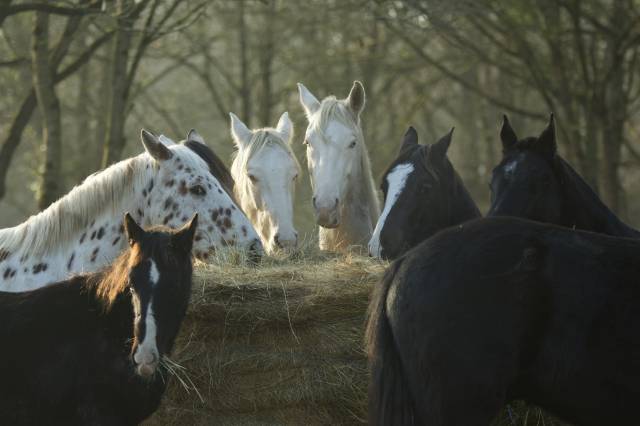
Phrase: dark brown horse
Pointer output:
(87, 351)
(499, 309)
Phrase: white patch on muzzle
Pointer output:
(146, 356)
(396, 180)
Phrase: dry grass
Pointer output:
(281, 343)
(276, 344)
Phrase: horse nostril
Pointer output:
(336, 205)
(314, 202)
(154, 357)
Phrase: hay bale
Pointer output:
(278, 344)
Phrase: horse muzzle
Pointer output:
(327, 214)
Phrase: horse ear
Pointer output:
(438, 151)
(240, 132)
(410, 138)
(309, 102)
(194, 136)
(134, 232)
(507, 135)
(285, 127)
(183, 237)
(547, 139)
(154, 147)
(356, 98)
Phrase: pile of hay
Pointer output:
(281, 343)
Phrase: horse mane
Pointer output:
(332, 109)
(259, 140)
(109, 283)
(579, 193)
(217, 168)
(73, 212)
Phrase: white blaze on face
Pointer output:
(146, 356)
(396, 180)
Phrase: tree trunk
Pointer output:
(266, 64)
(614, 112)
(114, 141)
(43, 82)
(245, 84)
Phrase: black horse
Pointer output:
(87, 350)
(499, 309)
(422, 195)
(532, 181)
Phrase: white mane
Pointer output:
(260, 139)
(99, 193)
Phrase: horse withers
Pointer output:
(534, 182)
(423, 194)
(499, 309)
(89, 350)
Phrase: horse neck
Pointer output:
(583, 209)
(359, 213)
(86, 248)
(463, 208)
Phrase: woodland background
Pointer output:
(79, 78)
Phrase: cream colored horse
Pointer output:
(344, 195)
(265, 170)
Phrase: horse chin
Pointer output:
(146, 371)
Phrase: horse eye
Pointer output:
(352, 144)
(198, 190)
(295, 177)
(306, 142)
(253, 178)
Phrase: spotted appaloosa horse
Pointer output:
(344, 193)
(265, 170)
(86, 351)
(83, 231)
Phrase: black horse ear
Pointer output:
(410, 138)
(134, 232)
(183, 237)
(438, 151)
(507, 135)
(547, 139)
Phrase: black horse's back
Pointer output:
(500, 309)
(390, 399)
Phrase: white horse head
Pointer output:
(339, 163)
(265, 170)
(83, 231)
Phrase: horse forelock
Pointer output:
(113, 280)
(260, 139)
(333, 109)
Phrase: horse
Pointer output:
(265, 170)
(534, 182)
(89, 350)
(83, 230)
(504, 308)
(345, 200)
(422, 195)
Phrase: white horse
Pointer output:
(83, 231)
(265, 170)
(344, 195)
